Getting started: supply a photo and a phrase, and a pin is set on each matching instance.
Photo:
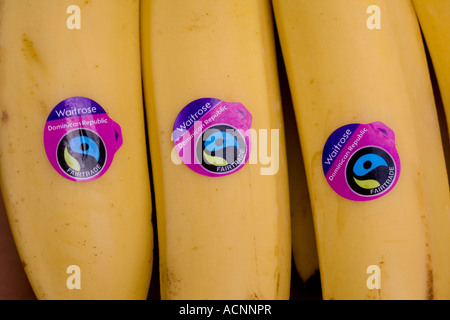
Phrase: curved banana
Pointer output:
(82, 225)
(220, 237)
(304, 248)
(360, 85)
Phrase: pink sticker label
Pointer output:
(80, 139)
(211, 136)
(360, 161)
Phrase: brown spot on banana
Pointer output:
(5, 117)
(28, 49)
(430, 279)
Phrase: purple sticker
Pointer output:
(360, 161)
(212, 137)
(80, 139)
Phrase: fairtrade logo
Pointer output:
(221, 149)
(81, 154)
(370, 171)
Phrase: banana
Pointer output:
(73, 160)
(434, 19)
(304, 248)
(364, 105)
(211, 88)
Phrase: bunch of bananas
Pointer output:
(232, 136)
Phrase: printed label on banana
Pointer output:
(360, 161)
(211, 136)
(80, 139)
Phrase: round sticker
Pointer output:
(80, 139)
(211, 136)
(360, 161)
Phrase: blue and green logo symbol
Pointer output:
(221, 149)
(81, 154)
(371, 171)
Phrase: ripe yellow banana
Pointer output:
(223, 226)
(304, 247)
(434, 19)
(74, 172)
(371, 146)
